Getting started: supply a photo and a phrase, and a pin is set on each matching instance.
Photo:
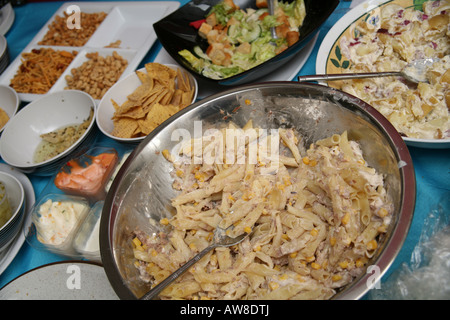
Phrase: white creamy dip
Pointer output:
(57, 219)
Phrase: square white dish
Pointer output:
(131, 22)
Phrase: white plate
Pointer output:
(325, 50)
(9, 254)
(72, 280)
(131, 22)
(286, 73)
(7, 16)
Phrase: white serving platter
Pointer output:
(131, 22)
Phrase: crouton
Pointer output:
(211, 19)
(232, 21)
(217, 54)
(231, 4)
(244, 48)
(292, 37)
(204, 29)
(261, 4)
(282, 30)
(261, 17)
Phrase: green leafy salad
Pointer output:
(241, 39)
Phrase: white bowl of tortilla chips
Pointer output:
(9, 105)
(142, 101)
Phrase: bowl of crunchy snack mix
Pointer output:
(141, 101)
(48, 131)
(322, 183)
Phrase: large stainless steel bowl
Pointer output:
(143, 187)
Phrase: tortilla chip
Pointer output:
(140, 91)
(161, 73)
(151, 100)
(143, 77)
(155, 69)
(124, 128)
(176, 98)
(125, 107)
(186, 99)
(183, 81)
(138, 132)
(157, 115)
(115, 105)
(135, 113)
(167, 97)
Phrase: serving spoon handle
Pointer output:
(415, 71)
(344, 76)
(220, 239)
(152, 294)
(271, 7)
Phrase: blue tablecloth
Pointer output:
(432, 167)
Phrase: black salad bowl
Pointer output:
(175, 34)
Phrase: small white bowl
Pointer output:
(119, 93)
(10, 101)
(21, 135)
(16, 198)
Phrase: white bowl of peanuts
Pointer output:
(143, 100)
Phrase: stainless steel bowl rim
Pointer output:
(357, 289)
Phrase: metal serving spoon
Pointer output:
(414, 72)
(271, 7)
(221, 239)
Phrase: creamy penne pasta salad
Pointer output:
(387, 39)
(314, 217)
